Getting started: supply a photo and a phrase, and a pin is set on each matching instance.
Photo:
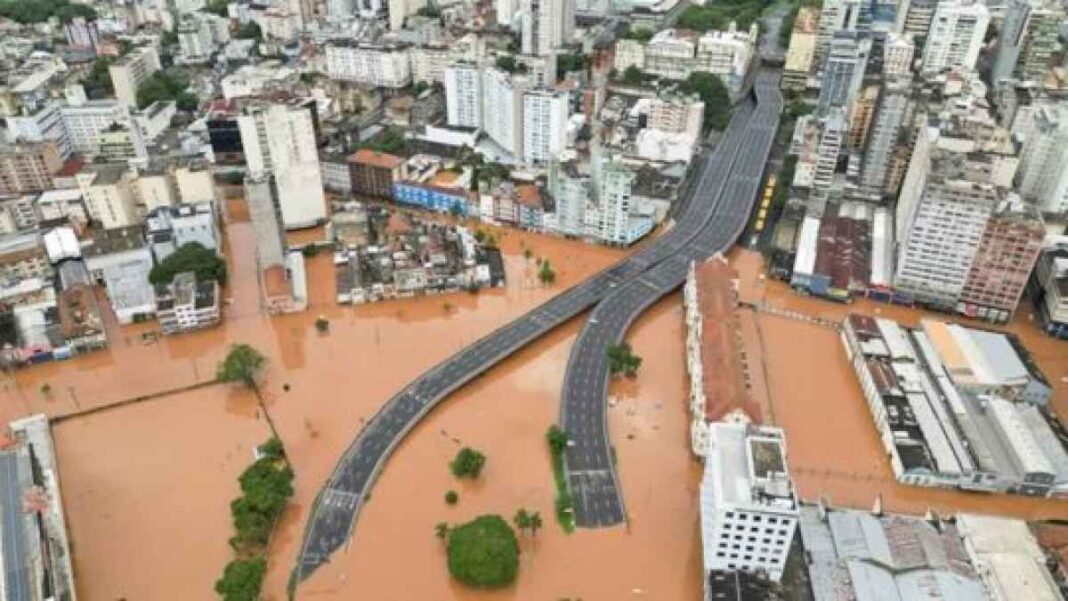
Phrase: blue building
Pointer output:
(451, 200)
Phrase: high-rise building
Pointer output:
(914, 19)
(545, 116)
(898, 52)
(384, 66)
(801, 54)
(132, 70)
(727, 54)
(860, 116)
(843, 71)
(749, 511)
(571, 192)
(836, 16)
(463, 95)
(1027, 41)
(1007, 252)
(279, 139)
(28, 167)
(1043, 174)
(611, 219)
(884, 135)
(547, 25)
(75, 127)
(833, 131)
(502, 109)
(956, 36)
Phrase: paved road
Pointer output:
(722, 201)
(336, 508)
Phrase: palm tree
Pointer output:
(441, 530)
(521, 519)
(534, 522)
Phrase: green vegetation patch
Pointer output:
(192, 256)
(39, 11)
(719, 14)
(484, 552)
(565, 505)
(468, 463)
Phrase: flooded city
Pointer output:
(149, 449)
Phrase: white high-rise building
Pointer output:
(956, 36)
(749, 511)
(130, 71)
(502, 109)
(506, 10)
(76, 127)
(898, 52)
(835, 16)
(279, 139)
(463, 95)
(609, 219)
(885, 132)
(843, 71)
(379, 66)
(547, 25)
(1027, 40)
(1043, 174)
(545, 116)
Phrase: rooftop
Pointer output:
(366, 156)
(106, 242)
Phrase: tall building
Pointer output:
(502, 109)
(384, 66)
(749, 512)
(132, 70)
(279, 139)
(76, 128)
(610, 217)
(571, 192)
(861, 114)
(898, 52)
(836, 16)
(463, 95)
(1007, 252)
(956, 36)
(801, 54)
(884, 135)
(545, 115)
(547, 25)
(833, 132)
(843, 71)
(28, 167)
(727, 54)
(1043, 174)
(266, 216)
(914, 19)
(1027, 41)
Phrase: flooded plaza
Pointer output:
(147, 486)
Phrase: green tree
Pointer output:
(483, 553)
(713, 93)
(419, 87)
(39, 11)
(632, 75)
(192, 256)
(556, 438)
(216, 7)
(642, 34)
(507, 62)
(242, 364)
(242, 579)
(546, 273)
(97, 83)
(622, 360)
(468, 463)
(521, 520)
(441, 530)
(451, 497)
(534, 522)
(322, 324)
(186, 101)
(249, 31)
(170, 84)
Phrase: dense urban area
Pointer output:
(760, 300)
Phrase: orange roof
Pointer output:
(274, 282)
(71, 167)
(528, 196)
(444, 178)
(723, 376)
(366, 156)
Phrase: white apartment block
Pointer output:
(76, 128)
(502, 109)
(108, 195)
(170, 228)
(545, 115)
(429, 63)
(611, 222)
(727, 54)
(629, 53)
(748, 509)
(1043, 175)
(956, 36)
(379, 66)
(898, 52)
(279, 139)
(546, 25)
(671, 53)
(835, 16)
(463, 95)
(129, 72)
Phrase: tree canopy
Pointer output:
(571, 62)
(249, 31)
(97, 83)
(192, 256)
(642, 34)
(216, 7)
(167, 85)
(242, 364)
(39, 11)
(390, 141)
(242, 579)
(719, 14)
(467, 463)
(484, 552)
(709, 87)
(632, 75)
(622, 360)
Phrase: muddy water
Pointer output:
(395, 556)
(834, 449)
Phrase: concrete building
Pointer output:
(280, 139)
(383, 66)
(22, 257)
(1008, 250)
(1007, 558)
(898, 53)
(186, 304)
(671, 54)
(571, 191)
(546, 25)
(1050, 289)
(463, 95)
(1027, 41)
(172, 227)
(120, 260)
(613, 218)
(886, 131)
(1043, 174)
(374, 173)
(132, 70)
(836, 16)
(75, 128)
(749, 511)
(265, 213)
(801, 53)
(956, 36)
(727, 54)
(28, 167)
(915, 18)
(629, 53)
(545, 115)
(108, 194)
(843, 71)
(502, 109)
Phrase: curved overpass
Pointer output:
(338, 503)
(729, 186)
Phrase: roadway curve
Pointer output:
(724, 196)
(338, 503)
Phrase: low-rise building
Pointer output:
(374, 173)
(187, 304)
(23, 256)
(1050, 289)
(379, 66)
(432, 197)
(120, 260)
(28, 167)
(170, 228)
